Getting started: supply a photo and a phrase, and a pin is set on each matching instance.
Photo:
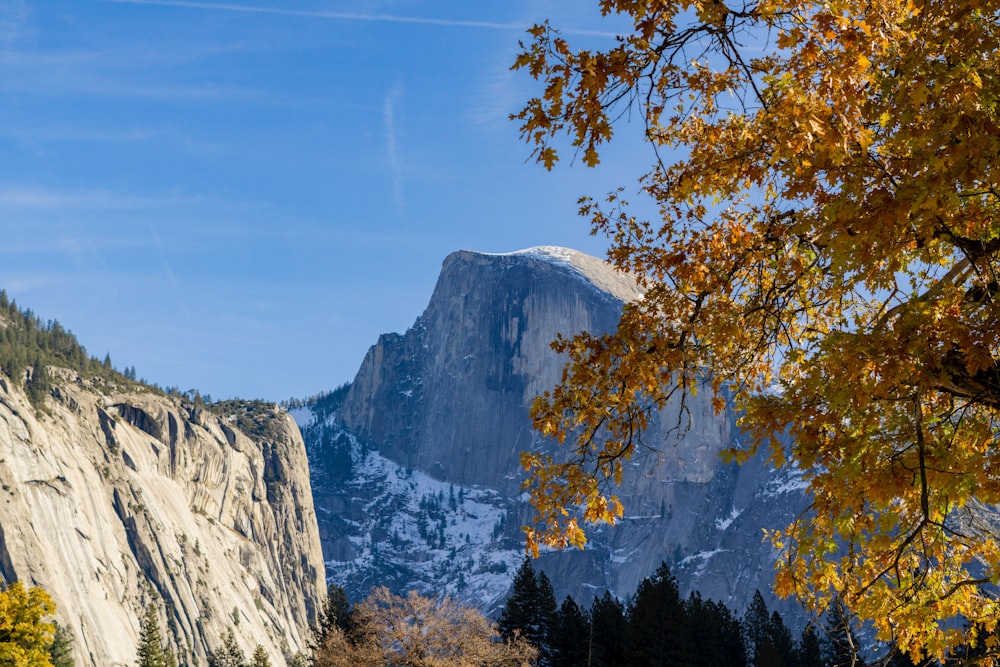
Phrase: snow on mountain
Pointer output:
(404, 528)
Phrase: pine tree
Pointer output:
(809, 650)
(230, 655)
(61, 649)
(39, 384)
(260, 658)
(606, 641)
(520, 613)
(546, 622)
(335, 614)
(843, 649)
(149, 652)
(656, 623)
(755, 629)
(783, 650)
(714, 634)
(569, 637)
(768, 640)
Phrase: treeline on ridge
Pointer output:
(29, 345)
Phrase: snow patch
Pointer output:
(793, 481)
(722, 524)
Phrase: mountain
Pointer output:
(415, 464)
(116, 496)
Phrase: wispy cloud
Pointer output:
(33, 198)
(350, 16)
(388, 117)
(13, 18)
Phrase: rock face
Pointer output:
(459, 381)
(439, 416)
(113, 501)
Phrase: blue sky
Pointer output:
(239, 197)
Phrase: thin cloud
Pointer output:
(32, 198)
(388, 117)
(349, 16)
(13, 21)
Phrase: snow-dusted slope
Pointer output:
(385, 524)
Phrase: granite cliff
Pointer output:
(115, 497)
(415, 464)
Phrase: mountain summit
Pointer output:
(415, 464)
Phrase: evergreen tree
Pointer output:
(547, 619)
(568, 640)
(61, 649)
(260, 658)
(520, 613)
(656, 634)
(230, 655)
(755, 627)
(768, 640)
(843, 649)
(39, 384)
(606, 641)
(809, 650)
(781, 644)
(335, 614)
(149, 652)
(714, 634)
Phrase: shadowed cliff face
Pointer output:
(461, 381)
(112, 501)
(451, 398)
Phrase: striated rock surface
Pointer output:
(416, 469)
(113, 501)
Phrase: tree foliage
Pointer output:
(29, 345)
(229, 654)
(824, 258)
(335, 614)
(150, 651)
(260, 657)
(25, 635)
(419, 632)
(61, 649)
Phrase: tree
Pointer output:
(61, 649)
(336, 613)
(714, 634)
(546, 621)
(656, 633)
(260, 658)
(824, 260)
(809, 650)
(521, 613)
(357, 648)
(150, 651)
(39, 384)
(25, 636)
(419, 632)
(606, 645)
(569, 636)
(230, 655)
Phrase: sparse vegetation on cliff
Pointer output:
(256, 418)
(29, 345)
